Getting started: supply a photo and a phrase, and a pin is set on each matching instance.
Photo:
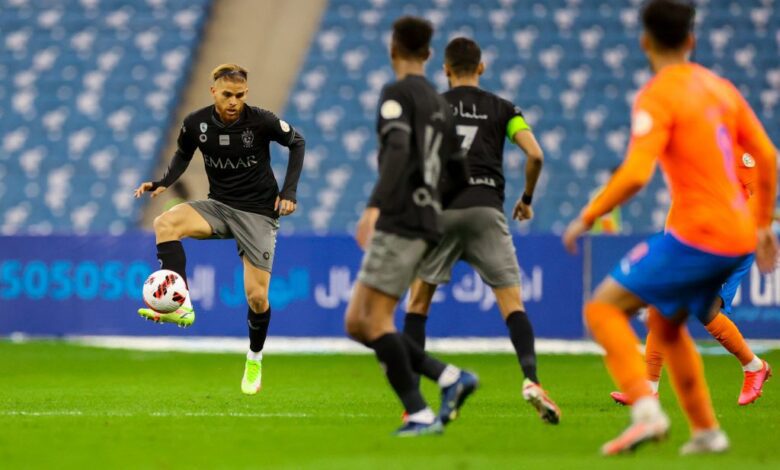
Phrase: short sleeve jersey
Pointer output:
(481, 120)
(412, 105)
(237, 156)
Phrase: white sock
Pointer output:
(254, 356)
(645, 409)
(754, 365)
(654, 385)
(449, 376)
(424, 416)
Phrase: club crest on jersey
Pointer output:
(391, 109)
(247, 137)
(203, 127)
(748, 161)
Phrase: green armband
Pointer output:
(515, 125)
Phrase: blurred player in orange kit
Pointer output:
(689, 120)
(718, 324)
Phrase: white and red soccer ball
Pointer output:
(164, 291)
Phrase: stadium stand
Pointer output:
(574, 70)
(89, 88)
(87, 91)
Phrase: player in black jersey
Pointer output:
(473, 224)
(244, 200)
(417, 145)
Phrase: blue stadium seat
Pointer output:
(573, 66)
(87, 89)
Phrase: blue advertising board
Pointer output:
(91, 285)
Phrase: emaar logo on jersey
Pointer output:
(229, 163)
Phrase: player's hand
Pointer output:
(284, 206)
(522, 211)
(766, 250)
(573, 232)
(365, 226)
(147, 186)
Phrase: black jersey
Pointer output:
(238, 158)
(481, 120)
(417, 148)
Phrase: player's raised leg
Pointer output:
(720, 326)
(256, 282)
(170, 228)
(756, 370)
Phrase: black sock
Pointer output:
(390, 351)
(414, 326)
(171, 256)
(522, 335)
(258, 328)
(421, 362)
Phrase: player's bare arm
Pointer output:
(533, 168)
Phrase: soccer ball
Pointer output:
(164, 291)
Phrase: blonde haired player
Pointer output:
(244, 201)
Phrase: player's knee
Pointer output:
(418, 306)
(354, 328)
(164, 227)
(257, 299)
(509, 300)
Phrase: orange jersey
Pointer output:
(691, 121)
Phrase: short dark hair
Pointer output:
(412, 37)
(669, 22)
(463, 56)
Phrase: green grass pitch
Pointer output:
(65, 406)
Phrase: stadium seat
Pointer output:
(87, 91)
(573, 66)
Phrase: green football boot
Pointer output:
(183, 316)
(253, 377)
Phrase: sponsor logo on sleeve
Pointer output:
(642, 123)
(748, 160)
(391, 109)
(285, 127)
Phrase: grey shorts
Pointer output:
(255, 234)
(479, 236)
(390, 263)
